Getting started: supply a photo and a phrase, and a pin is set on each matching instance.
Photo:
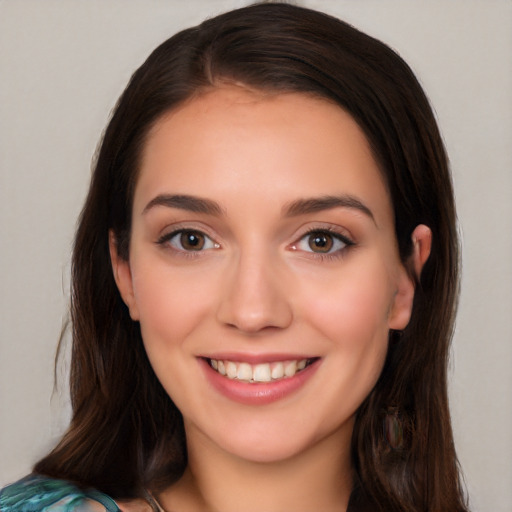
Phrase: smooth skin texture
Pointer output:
(264, 266)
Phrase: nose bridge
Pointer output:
(254, 296)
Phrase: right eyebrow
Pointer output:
(317, 204)
(185, 202)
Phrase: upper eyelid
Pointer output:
(336, 231)
(332, 232)
(172, 233)
(171, 229)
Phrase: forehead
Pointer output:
(282, 145)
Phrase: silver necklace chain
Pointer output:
(155, 504)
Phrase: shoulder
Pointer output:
(37, 493)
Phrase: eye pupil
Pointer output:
(320, 242)
(192, 241)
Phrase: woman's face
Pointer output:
(263, 270)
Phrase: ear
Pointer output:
(401, 308)
(123, 277)
(422, 243)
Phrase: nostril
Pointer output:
(254, 298)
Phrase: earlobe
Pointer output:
(401, 310)
(123, 277)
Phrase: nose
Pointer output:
(255, 296)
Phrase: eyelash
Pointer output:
(331, 233)
(167, 238)
(338, 253)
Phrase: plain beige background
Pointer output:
(63, 64)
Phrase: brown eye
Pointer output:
(320, 242)
(192, 240)
(323, 242)
(188, 240)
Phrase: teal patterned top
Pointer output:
(41, 494)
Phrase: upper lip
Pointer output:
(256, 358)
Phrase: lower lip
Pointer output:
(258, 393)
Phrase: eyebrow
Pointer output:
(293, 209)
(317, 204)
(185, 202)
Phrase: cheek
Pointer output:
(352, 316)
(355, 305)
(171, 304)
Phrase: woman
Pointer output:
(264, 283)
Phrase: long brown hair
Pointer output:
(126, 434)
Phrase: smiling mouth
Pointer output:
(262, 372)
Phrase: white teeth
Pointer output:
(278, 371)
(290, 369)
(231, 370)
(263, 372)
(244, 372)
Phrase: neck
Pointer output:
(318, 478)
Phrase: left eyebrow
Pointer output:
(185, 202)
(318, 204)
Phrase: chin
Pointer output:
(271, 442)
(267, 451)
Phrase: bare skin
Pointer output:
(218, 481)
